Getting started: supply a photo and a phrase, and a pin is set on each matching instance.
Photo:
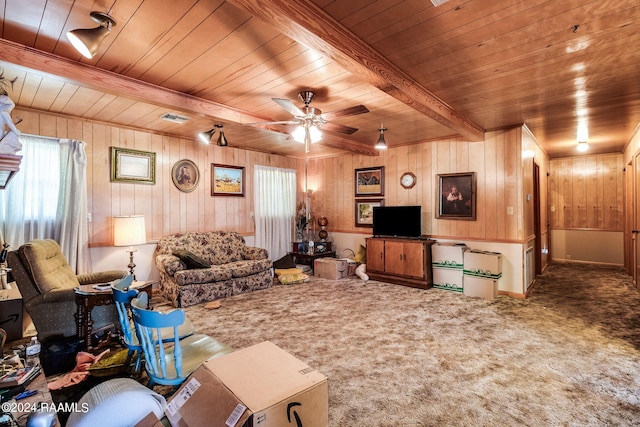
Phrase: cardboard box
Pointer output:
(258, 386)
(11, 313)
(448, 255)
(483, 263)
(449, 279)
(330, 268)
(483, 287)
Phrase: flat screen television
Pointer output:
(397, 221)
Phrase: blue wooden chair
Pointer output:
(122, 295)
(172, 364)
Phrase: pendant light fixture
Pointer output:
(222, 140)
(381, 144)
(87, 41)
(207, 136)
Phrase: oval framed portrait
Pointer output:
(185, 175)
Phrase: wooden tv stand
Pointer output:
(400, 260)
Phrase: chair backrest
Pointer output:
(122, 296)
(47, 266)
(151, 325)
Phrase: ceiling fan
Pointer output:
(310, 119)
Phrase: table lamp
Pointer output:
(129, 231)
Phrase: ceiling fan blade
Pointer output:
(289, 106)
(351, 111)
(332, 127)
(284, 122)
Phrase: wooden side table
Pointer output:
(87, 297)
(304, 258)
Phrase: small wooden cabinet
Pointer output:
(400, 261)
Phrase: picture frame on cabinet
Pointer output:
(227, 180)
(364, 211)
(456, 196)
(133, 166)
(369, 181)
(185, 175)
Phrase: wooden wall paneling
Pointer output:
(103, 193)
(579, 193)
(425, 175)
(491, 204)
(463, 228)
(153, 216)
(501, 196)
(592, 195)
(613, 195)
(621, 185)
(510, 185)
(442, 227)
(392, 194)
(477, 155)
(566, 193)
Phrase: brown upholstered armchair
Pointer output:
(46, 281)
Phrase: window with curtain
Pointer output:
(47, 198)
(274, 209)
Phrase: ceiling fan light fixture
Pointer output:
(87, 41)
(207, 136)
(222, 140)
(381, 144)
(300, 134)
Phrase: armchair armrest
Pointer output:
(169, 263)
(254, 253)
(101, 277)
(58, 295)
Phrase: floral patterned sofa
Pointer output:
(186, 278)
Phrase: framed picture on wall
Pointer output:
(364, 211)
(185, 175)
(456, 196)
(227, 180)
(369, 181)
(133, 166)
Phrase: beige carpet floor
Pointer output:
(397, 356)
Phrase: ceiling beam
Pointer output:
(306, 23)
(117, 84)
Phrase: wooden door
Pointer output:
(413, 257)
(393, 260)
(375, 255)
(636, 222)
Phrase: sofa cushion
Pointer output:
(48, 265)
(191, 260)
(249, 267)
(215, 273)
(216, 247)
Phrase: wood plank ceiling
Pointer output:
(426, 72)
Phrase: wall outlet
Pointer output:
(509, 210)
(89, 216)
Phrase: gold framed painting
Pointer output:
(185, 175)
(456, 196)
(364, 211)
(133, 166)
(227, 180)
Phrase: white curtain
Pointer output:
(275, 209)
(47, 198)
(71, 230)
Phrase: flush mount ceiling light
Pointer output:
(582, 146)
(87, 41)
(381, 144)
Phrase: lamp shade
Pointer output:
(207, 136)
(88, 41)
(129, 230)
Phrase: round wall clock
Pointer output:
(408, 180)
